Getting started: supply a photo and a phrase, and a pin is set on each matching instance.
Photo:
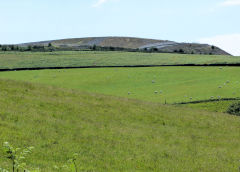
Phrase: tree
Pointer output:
(112, 48)
(49, 44)
(181, 51)
(94, 47)
(155, 49)
(12, 47)
(29, 48)
(151, 49)
(4, 48)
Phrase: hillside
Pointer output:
(171, 84)
(114, 134)
(134, 43)
(62, 59)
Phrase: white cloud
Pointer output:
(99, 3)
(230, 3)
(229, 43)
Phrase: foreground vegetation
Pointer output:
(157, 84)
(114, 134)
(11, 60)
(17, 157)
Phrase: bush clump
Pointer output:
(234, 109)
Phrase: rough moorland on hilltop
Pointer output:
(164, 46)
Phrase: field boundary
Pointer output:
(123, 66)
(206, 101)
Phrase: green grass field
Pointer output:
(11, 60)
(114, 118)
(157, 84)
(114, 134)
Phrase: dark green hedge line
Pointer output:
(206, 101)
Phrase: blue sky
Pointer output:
(214, 22)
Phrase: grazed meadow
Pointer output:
(157, 84)
(11, 60)
(114, 118)
(114, 134)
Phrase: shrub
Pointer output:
(155, 49)
(16, 156)
(94, 48)
(181, 51)
(5, 48)
(29, 48)
(234, 109)
(112, 48)
(11, 47)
